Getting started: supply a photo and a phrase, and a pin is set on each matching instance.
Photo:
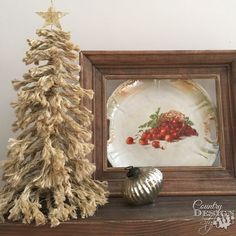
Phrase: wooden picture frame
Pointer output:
(99, 66)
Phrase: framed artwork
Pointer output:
(174, 110)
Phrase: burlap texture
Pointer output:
(47, 176)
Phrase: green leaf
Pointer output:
(153, 124)
(158, 110)
(143, 126)
(188, 121)
(154, 118)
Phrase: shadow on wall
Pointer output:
(1, 182)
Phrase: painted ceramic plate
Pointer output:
(131, 104)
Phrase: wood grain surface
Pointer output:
(168, 216)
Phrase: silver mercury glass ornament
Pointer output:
(142, 185)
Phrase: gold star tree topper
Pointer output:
(52, 17)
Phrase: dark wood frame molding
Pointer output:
(99, 66)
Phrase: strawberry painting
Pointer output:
(171, 126)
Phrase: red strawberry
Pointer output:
(156, 144)
(129, 140)
(169, 138)
(143, 141)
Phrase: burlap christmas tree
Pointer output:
(47, 176)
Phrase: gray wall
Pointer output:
(111, 25)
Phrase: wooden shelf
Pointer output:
(168, 216)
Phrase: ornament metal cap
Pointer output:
(132, 172)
